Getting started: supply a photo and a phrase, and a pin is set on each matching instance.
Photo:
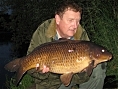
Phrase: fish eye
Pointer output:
(103, 50)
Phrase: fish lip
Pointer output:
(110, 57)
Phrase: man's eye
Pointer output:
(70, 20)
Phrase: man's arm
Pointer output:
(36, 40)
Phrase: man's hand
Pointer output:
(45, 69)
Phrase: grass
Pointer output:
(25, 82)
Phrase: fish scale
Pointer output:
(68, 60)
(55, 64)
(62, 57)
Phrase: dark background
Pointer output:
(19, 19)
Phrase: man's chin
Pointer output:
(71, 35)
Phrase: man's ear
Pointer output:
(57, 18)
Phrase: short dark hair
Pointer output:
(67, 4)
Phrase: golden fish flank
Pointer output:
(64, 57)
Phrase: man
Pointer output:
(66, 24)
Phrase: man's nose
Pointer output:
(75, 24)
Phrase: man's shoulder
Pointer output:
(45, 23)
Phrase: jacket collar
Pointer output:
(51, 31)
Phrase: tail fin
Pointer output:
(13, 65)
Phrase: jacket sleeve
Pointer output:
(37, 39)
(42, 80)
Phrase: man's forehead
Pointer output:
(70, 9)
(71, 13)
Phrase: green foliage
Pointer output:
(102, 26)
(100, 19)
(25, 18)
(27, 82)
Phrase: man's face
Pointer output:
(68, 23)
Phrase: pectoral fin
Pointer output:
(66, 78)
(89, 69)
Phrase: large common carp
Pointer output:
(65, 57)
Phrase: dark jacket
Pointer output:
(46, 32)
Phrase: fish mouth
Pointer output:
(107, 59)
(110, 57)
